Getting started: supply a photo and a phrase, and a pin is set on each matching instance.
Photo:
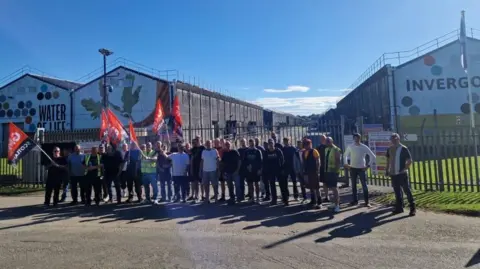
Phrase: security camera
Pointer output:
(110, 88)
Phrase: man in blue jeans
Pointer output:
(358, 166)
(163, 173)
(231, 164)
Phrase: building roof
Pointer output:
(62, 84)
(65, 84)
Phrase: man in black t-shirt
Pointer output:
(230, 167)
(252, 167)
(112, 164)
(57, 171)
(262, 150)
(93, 178)
(195, 159)
(273, 162)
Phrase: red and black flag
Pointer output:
(19, 144)
(177, 118)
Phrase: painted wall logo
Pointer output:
(50, 117)
(447, 83)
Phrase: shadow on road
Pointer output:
(474, 260)
(352, 226)
(270, 216)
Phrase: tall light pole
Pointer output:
(105, 53)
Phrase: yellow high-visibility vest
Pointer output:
(87, 159)
(148, 166)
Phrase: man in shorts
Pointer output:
(332, 166)
(209, 167)
(311, 165)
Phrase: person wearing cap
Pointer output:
(252, 167)
(273, 167)
(332, 170)
(93, 176)
(134, 173)
(180, 162)
(358, 167)
(311, 166)
(399, 160)
(149, 173)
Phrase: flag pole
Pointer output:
(465, 63)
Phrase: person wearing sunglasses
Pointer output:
(57, 171)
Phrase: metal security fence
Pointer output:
(443, 161)
(30, 171)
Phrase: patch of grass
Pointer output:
(463, 203)
(6, 169)
(459, 174)
(19, 190)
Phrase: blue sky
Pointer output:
(293, 56)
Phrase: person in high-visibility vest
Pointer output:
(332, 169)
(93, 176)
(149, 173)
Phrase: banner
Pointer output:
(379, 142)
(19, 144)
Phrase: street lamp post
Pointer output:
(105, 53)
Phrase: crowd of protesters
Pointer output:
(188, 172)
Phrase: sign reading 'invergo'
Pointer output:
(442, 84)
(437, 83)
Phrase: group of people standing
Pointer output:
(250, 171)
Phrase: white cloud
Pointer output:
(342, 91)
(300, 105)
(293, 88)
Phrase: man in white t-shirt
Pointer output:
(356, 152)
(124, 175)
(209, 168)
(180, 167)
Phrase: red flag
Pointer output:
(19, 144)
(133, 136)
(177, 117)
(103, 125)
(158, 117)
(117, 133)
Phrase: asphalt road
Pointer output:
(221, 236)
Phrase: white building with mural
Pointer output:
(131, 95)
(33, 101)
